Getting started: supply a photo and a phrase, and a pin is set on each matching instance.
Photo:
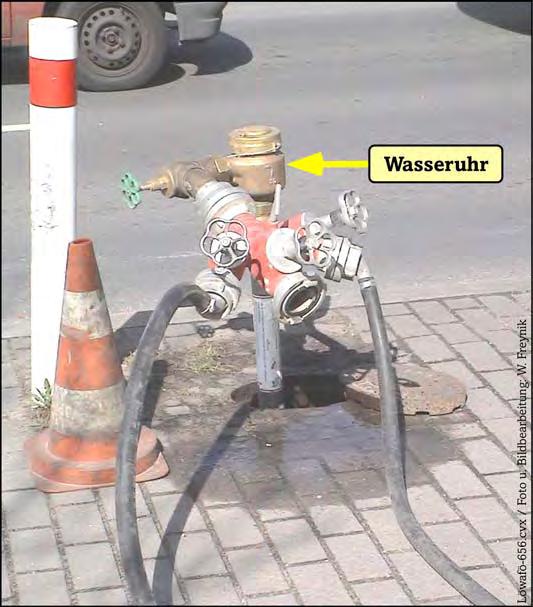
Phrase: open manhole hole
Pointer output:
(300, 391)
(422, 390)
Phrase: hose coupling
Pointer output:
(224, 290)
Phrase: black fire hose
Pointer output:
(390, 424)
(128, 532)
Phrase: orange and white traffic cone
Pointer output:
(79, 448)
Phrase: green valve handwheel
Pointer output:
(131, 191)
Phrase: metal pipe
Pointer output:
(267, 350)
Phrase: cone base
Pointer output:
(57, 474)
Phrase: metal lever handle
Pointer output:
(353, 213)
(314, 244)
(225, 242)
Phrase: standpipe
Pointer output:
(288, 260)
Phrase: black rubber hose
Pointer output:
(128, 532)
(390, 423)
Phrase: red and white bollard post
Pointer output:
(53, 47)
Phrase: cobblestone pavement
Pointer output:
(287, 507)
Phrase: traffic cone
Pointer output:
(79, 448)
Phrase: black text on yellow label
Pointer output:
(435, 163)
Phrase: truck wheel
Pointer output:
(122, 45)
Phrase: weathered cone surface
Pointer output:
(80, 447)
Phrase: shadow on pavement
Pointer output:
(214, 56)
(513, 16)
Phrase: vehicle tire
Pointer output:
(122, 45)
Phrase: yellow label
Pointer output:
(435, 163)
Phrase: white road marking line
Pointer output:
(10, 128)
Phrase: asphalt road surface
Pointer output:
(336, 78)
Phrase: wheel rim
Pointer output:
(111, 37)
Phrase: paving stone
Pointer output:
(460, 303)
(34, 550)
(453, 601)
(331, 518)
(479, 320)
(319, 584)
(428, 506)
(162, 578)
(425, 583)
(9, 377)
(457, 369)
(307, 477)
(256, 570)
(276, 600)
(458, 480)
(6, 586)
(524, 300)
(13, 459)
(506, 551)
(295, 541)
(430, 348)
(212, 591)
(407, 326)
(16, 479)
(43, 588)
(197, 554)
(366, 488)
(10, 399)
(432, 312)
(358, 557)
(71, 497)
(92, 566)
(149, 538)
(110, 596)
(505, 341)
(506, 383)
(235, 527)
(506, 431)
(81, 523)
(168, 484)
(482, 356)
(429, 445)
(24, 343)
(252, 472)
(219, 489)
(486, 405)
(25, 509)
(506, 486)
(385, 527)
(457, 431)
(460, 544)
(486, 456)
(386, 592)
(271, 499)
(350, 459)
(502, 305)
(497, 583)
(177, 512)
(488, 518)
(108, 500)
(178, 410)
(456, 333)
(395, 309)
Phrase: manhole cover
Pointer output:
(422, 390)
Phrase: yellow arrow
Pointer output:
(315, 164)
